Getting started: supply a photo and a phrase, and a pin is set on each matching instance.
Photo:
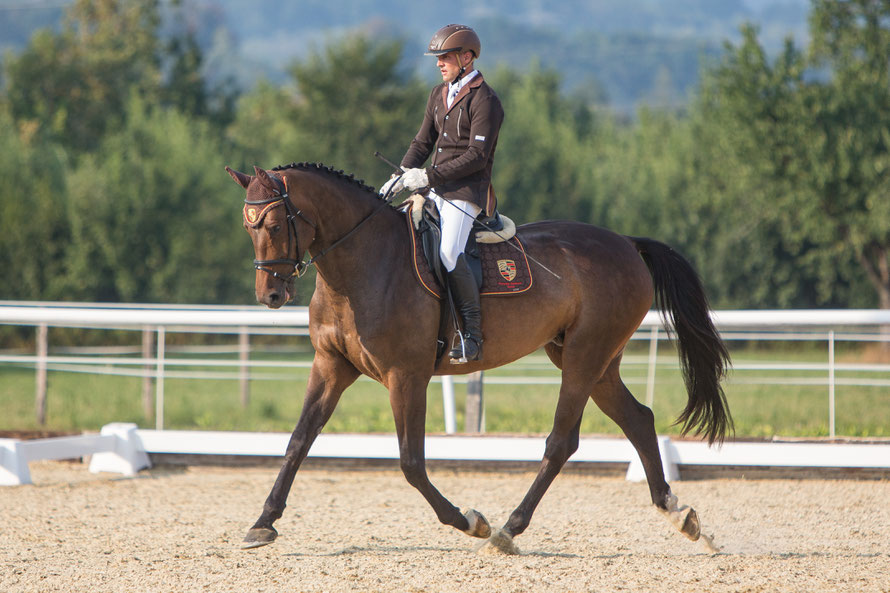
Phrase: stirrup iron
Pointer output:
(463, 349)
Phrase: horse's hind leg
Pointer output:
(561, 444)
(330, 375)
(408, 399)
(638, 424)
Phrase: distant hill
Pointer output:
(626, 52)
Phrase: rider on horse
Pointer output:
(460, 131)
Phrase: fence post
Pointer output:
(40, 394)
(653, 359)
(147, 403)
(475, 414)
(448, 404)
(159, 380)
(831, 383)
(244, 370)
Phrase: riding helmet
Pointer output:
(452, 38)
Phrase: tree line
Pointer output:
(773, 178)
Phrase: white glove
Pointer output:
(386, 186)
(412, 179)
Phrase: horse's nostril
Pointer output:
(274, 297)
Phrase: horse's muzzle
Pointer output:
(274, 298)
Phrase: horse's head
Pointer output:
(280, 235)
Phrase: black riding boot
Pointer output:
(466, 298)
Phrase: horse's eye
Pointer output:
(276, 228)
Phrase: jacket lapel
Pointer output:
(473, 84)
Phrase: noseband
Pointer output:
(278, 198)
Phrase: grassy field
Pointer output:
(80, 401)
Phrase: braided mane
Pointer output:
(326, 169)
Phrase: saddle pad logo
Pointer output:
(251, 215)
(507, 268)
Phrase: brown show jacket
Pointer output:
(461, 140)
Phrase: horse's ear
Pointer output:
(265, 179)
(239, 177)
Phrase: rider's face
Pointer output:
(448, 66)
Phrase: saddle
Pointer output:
(500, 266)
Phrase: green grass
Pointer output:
(79, 401)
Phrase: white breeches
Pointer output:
(456, 227)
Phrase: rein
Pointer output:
(300, 267)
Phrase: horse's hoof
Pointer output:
(259, 536)
(479, 526)
(683, 518)
(691, 525)
(500, 542)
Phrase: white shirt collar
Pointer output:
(455, 87)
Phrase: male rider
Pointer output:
(460, 132)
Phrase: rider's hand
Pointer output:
(413, 179)
(388, 185)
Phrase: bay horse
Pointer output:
(369, 315)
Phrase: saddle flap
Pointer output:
(505, 268)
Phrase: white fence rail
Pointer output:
(825, 326)
(124, 449)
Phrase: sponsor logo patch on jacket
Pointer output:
(480, 138)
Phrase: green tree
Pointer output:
(739, 125)
(848, 156)
(185, 88)
(653, 178)
(33, 225)
(73, 85)
(190, 85)
(347, 102)
(153, 217)
(811, 151)
(543, 160)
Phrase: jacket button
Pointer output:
(440, 150)
(445, 134)
(446, 117)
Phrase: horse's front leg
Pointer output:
(560, 445)
(330, 375)
(408, 399)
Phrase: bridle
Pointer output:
(279, 197)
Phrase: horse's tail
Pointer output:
(704, 360)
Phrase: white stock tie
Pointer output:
(453, 90)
